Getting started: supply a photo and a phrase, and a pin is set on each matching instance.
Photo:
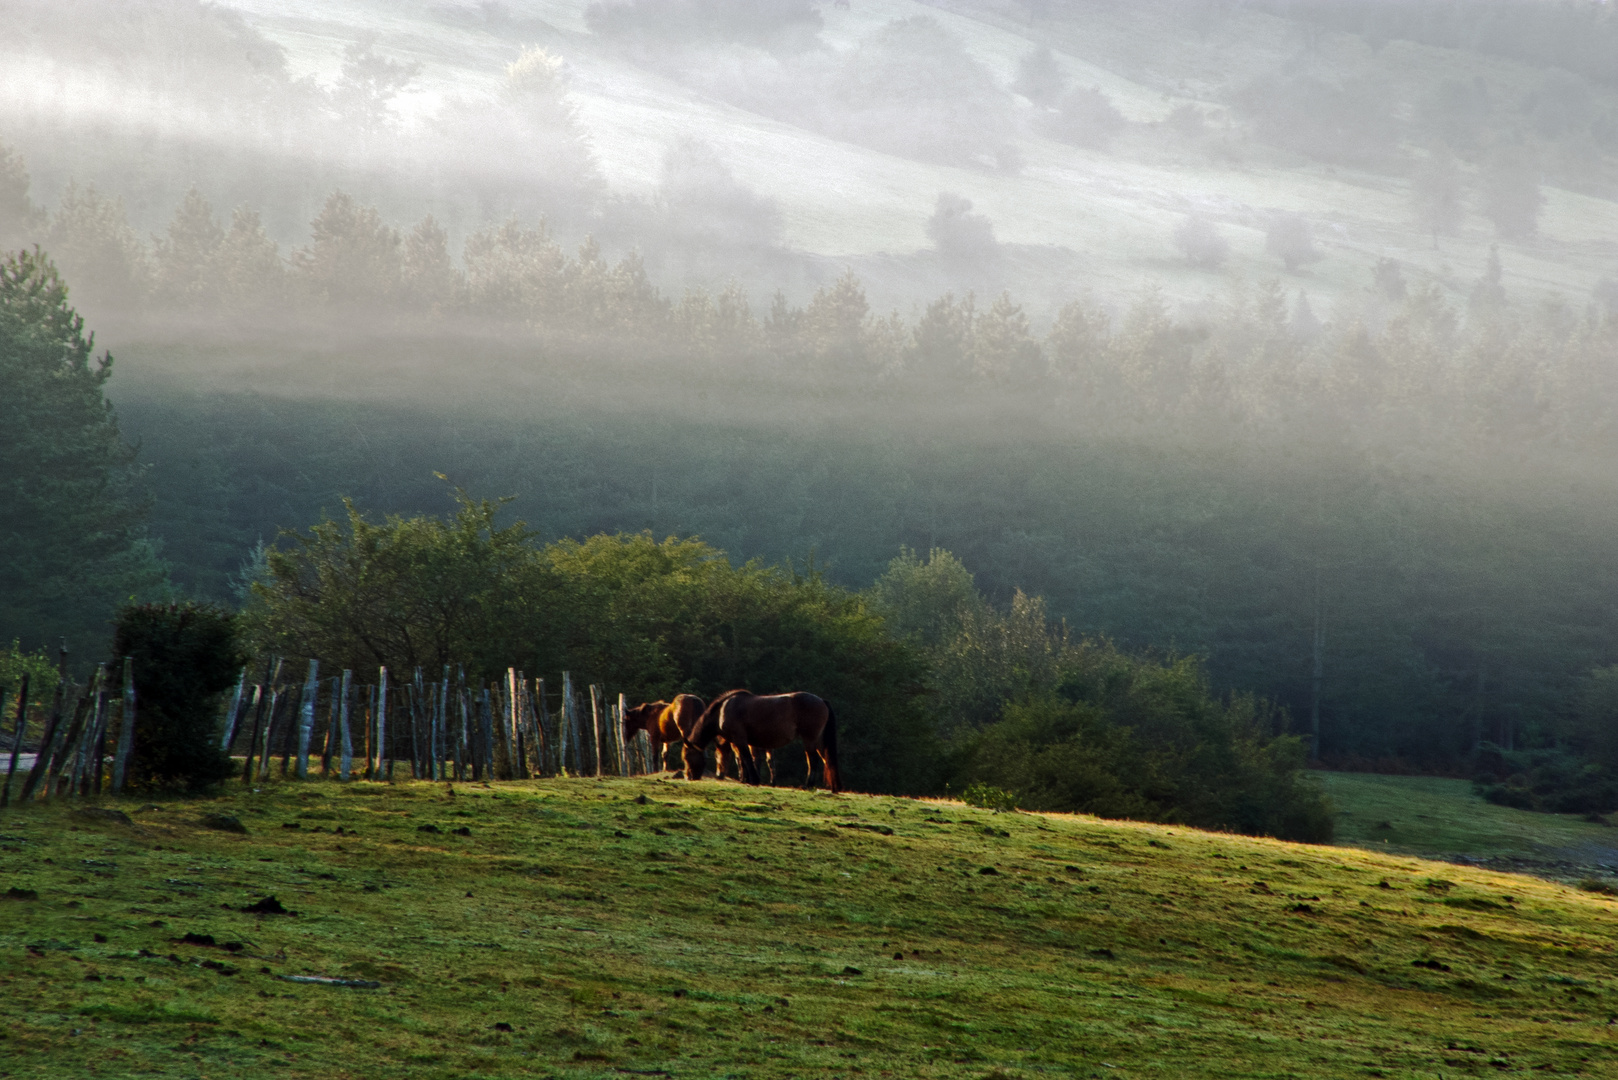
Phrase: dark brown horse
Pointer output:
(750, 722)
(664, 723)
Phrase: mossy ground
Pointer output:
(717, 930)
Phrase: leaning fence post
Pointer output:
(16, 739)
(618, 734)
(126, 730)
(230, 714)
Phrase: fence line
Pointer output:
(447, 729)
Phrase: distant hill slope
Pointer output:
(1071, 220)
(606, 928)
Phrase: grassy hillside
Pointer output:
(1432, 815)
(584, 928)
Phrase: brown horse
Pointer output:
(664, 723)
(750, 722)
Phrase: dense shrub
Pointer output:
(1059, 724)
(649, 618)
(184, 656)
(1128, 737)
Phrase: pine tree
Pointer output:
(428, 275)
(353, 256)
(248, 270)
(1004, 348)
(184, 257)
(72, 513)
(20, 219)
(90, 239)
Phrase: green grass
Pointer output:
(1429, 815)
(717, 930)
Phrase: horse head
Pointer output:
(642, 717)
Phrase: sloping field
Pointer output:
(607, 928)
(1445, 818)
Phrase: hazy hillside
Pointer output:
(1070, 219)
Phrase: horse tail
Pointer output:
(828, 751)
(706, 728)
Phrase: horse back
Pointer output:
(680, 718)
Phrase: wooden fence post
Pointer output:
(570, 731)
(486, 726)
(16, 739)
(306, 717)
(126, 730)
(618, 733)
(600, 732)
(230, 714)
(345, 763)
(381, 721)
(47, 741)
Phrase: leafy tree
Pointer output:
(703, 203)
(183, 656)
(405, 592)
(927, 602)
(1289, 238)
(367, 85)
(1435, 194)
(72, 509)
(957, 232)
(1201, 243)
(1086, 117)
(1040, 78)
(1510, 195)
(912, 88)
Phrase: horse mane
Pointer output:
(707, 725)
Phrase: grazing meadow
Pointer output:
(589, 928)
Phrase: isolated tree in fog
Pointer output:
(703, 203)
(957, 232)
(1201, 243)
(1510, 195)
(1435, 194)
(72, 539)
(1040, 78)
(1289, 238)
(1086, 117)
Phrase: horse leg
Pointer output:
(808, 769)
(749, 767)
